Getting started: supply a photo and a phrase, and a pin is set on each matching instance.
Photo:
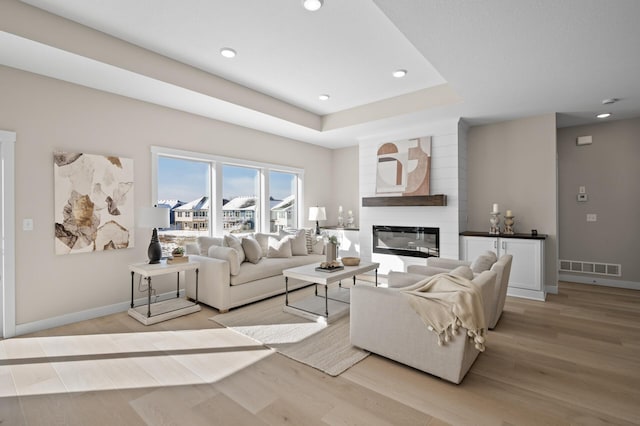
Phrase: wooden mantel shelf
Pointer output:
(416, 200)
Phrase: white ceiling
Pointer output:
(494, 59)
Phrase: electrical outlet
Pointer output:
(582, 190)
(592, 217)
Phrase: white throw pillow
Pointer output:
(483, 262)
(279, 248)
(236, 244)
(205, 242)
(228, 254)
(252, 250)
(318, 246)
(263, 240)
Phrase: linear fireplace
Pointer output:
(413, 241)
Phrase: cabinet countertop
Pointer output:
(521, 236)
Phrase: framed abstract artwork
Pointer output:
(403, 167)
(94, 209)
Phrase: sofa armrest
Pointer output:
(440, 262)
(213, 281)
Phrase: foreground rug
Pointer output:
(322, 346)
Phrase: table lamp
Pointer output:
(154, 217)
(317, 214)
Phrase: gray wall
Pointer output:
(513, 163)
(609, 170)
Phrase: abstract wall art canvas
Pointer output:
(94, 208)
(403, 167)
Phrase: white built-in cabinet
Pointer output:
(527, 269)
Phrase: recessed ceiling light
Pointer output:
(312, 5)
(324, 97)
(604, 115)
(399, 73)
(610, 101)
(228, 52)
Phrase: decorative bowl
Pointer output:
(350, 261)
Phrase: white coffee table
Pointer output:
(335, 302)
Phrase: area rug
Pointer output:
(325, 347)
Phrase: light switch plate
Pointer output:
(582, 197)
(592, 217)
(27, 224)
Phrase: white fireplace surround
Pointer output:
(448, 171)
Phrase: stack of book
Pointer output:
(177, 259)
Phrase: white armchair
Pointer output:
(502, 268)
(383, 322)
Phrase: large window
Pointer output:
(283, 191)
(183, 187)
(240, 198)
(211, 195)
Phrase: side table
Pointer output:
(171, 308)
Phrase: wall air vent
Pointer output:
(597, 268)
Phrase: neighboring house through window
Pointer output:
(211, 195)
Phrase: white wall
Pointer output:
(50, 115)
(345, 185)
(444, 180)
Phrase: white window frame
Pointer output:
(215, 187)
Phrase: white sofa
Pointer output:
(223, 284)
(383, 322)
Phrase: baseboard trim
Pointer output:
(632, 285)
(35, 326)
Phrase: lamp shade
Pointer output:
(317, 213)
(153, 217)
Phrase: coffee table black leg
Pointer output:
(197, 272)
(131, 289)
(376, 277)
(326, 302)
(178, 286)
(286, 291)
(354, 280)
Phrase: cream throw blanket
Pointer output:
(446, 302)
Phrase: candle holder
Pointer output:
(508, 225)
(495, 223)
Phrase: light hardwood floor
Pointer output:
(574, 359)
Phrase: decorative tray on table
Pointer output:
(330, 266)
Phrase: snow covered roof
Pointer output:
(201, 203)
(241, 203)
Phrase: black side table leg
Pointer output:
(197, 271)
(131, 289)
(148, 297)
(178, 286)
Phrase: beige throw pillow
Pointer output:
(463, 271)
(279, 248)
(252, 250)
(236, 244)
(298, 243)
